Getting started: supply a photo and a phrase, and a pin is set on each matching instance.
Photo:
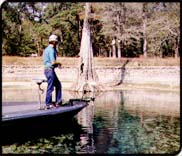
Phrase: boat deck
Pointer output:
(26, 124)
(19, 110)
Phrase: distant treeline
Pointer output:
(117, 29)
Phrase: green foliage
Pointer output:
(65, 24)
(27, 25)
(10, 25)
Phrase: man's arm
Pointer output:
(53, 59)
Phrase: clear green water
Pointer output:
(120, 122)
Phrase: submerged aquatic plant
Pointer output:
(63, 144)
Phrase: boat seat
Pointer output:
(39, 81)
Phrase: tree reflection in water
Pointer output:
(85, 118)
(114, 126)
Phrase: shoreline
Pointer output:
(66, 86)
(165, 78)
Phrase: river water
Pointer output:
(116, 122)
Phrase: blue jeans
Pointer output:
(52, 81)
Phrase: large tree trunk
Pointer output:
(87, 80)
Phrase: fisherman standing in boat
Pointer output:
(50, 63)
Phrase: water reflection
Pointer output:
(85, 118)
(122, 122)
(133, 122)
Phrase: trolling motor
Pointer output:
(40, 90)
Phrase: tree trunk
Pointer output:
(87, 80)
(110, 52)
(177, 48)
(144, 31)
(120, 18)
(114, 48)
(119, 48)
(38, 49)
(78, 27)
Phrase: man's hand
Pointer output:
(59, 65)
(56, 64)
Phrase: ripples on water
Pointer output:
(120, 122)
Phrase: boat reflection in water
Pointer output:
(120, 122)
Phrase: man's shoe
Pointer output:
(58, 104)
(50, 106)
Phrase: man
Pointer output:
(49, 57)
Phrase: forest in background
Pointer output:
(117, 29)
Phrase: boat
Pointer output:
(23, 124)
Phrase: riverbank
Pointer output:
(116, 74)
(98, 61)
